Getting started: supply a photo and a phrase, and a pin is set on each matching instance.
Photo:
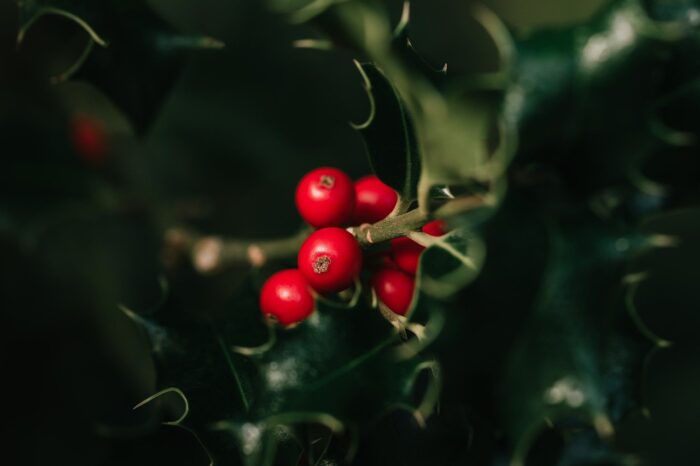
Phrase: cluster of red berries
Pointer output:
(330, 259)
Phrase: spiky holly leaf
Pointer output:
(576, 79)
(340, 368)
(133, 42)
(388, 132)
(557, 363)
(388, 135)
(452, 133)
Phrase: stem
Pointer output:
(212, 253)
(390, 228)
(401, 225)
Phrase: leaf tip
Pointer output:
(404, 20)
(367, 85)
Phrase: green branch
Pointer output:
(209, 254)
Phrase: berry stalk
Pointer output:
(401, 225)
(212, 253)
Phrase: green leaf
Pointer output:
(134, 43)
(340, 368)
(557, 371)
(453, 137)
(450, 262)
(300, 11)
(388, 134)
(576, 79)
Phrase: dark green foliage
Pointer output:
(125, 40)
(539, 319)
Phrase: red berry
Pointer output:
(330, 259)
(373, 200)
(435, 228)
(395, 289)
(286, 297)
(89, 139)
(325, 197)
(406, 252)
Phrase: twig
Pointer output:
(210, 254)
(401, 225)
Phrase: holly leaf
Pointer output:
(388, 134)
(449, 134)
(568, 347)
(675, 11)
(133, 42)
(465, 138)
(301, 10)
(450, 262)
(577, 79)
(340, 368)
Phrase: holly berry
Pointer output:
(89, 139)
(406, 252)
(330, 259)
(325, 197)
(286, 297)
(373, 200)
(394, 288)
(435, 228)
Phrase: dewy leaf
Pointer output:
(556, 370)
(339, 368)
(576, 79)
(388, 134)
(339, 362)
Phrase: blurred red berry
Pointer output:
(394, 288)
(406, 252)
(90, 139)
(435, 228)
